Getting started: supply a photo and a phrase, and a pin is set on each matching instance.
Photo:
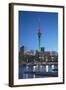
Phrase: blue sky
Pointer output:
(28, 29)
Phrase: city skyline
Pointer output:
(28, 30)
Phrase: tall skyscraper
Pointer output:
(42, 49)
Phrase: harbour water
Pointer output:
(37, 71)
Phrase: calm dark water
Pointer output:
(37, 71)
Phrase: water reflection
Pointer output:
(37, 71)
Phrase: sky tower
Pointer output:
(39, 37)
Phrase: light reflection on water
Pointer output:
(37, 71)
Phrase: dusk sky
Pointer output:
(28, 29)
